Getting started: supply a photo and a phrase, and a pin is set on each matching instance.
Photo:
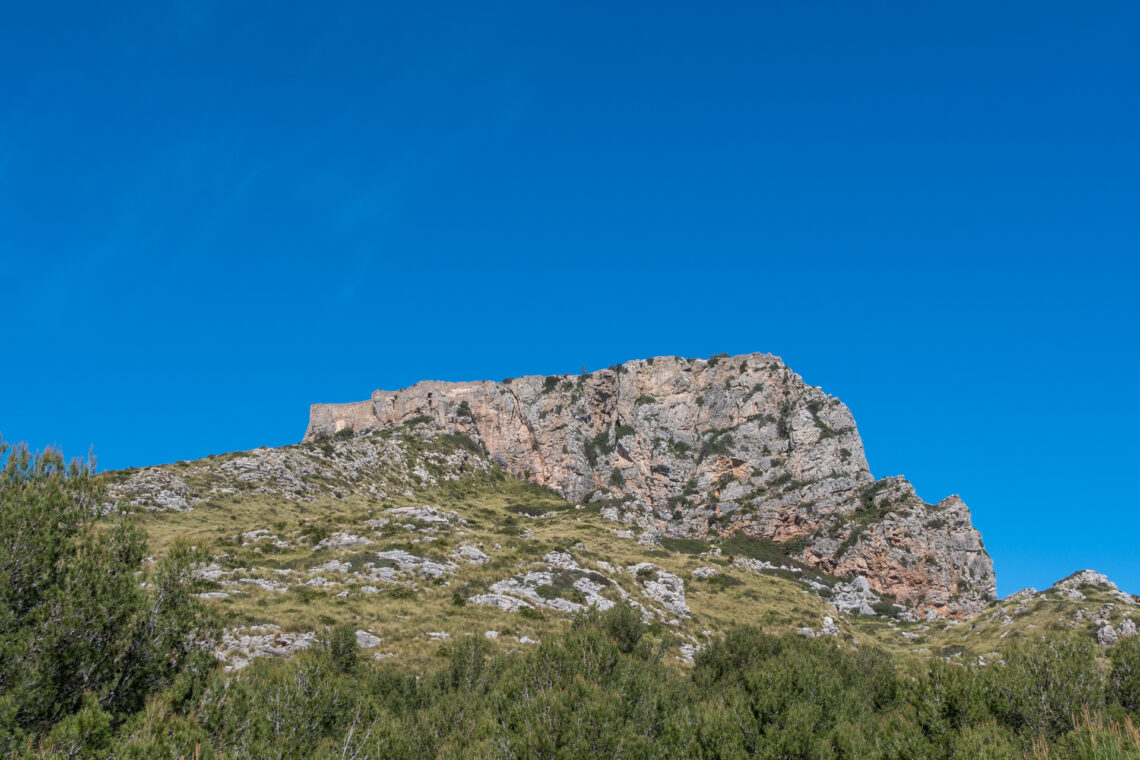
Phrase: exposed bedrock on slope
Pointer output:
(693, 447)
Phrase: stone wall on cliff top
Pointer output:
(692, 447)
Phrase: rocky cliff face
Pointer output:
(685, 447)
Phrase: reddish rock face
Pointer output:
(689, 447)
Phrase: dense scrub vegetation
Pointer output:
(100, 658)
(82, 635)
(582, 694)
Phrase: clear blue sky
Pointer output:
(214, 214)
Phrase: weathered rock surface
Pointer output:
(421, 566)
(367, 640)
(829, 629)
(158, 489)
(685, 447)
(661, 586)
(237, 648)
(855, 597)
(471, 554)
(504, 602)
(563, 578)
(375, 466)
(1069, 586)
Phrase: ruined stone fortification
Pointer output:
(687, 447)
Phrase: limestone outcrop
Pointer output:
(717, 447)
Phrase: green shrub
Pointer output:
(1094, 738)
(719, 444)
(744, 545)
(1123, 687)
(467, 670)
(81, 638)
(684, 545)
(597, 689)
(342, 649)
(1043, 684)
(622, 623)
(721, 581)
(460, 594)
(461, 441)
(599, 444)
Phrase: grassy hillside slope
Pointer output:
(414, 538)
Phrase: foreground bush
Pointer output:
(580, 695)
(82, 643)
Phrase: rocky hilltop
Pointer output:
(708, 448)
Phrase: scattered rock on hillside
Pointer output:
(1106, 635)
(366, 640)
(470, 554)
(661, 586)
(378, 466)
(854, 597)
(421, 566)
(341, 539)
(504, 602)
(424, 514)
(154, 488)
(237, 648)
